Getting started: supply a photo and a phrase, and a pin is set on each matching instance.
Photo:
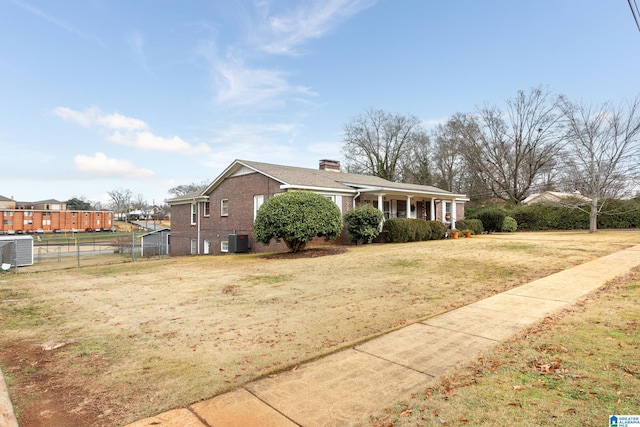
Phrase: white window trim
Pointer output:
(224, 246)
(222, 207)
(207, 211)
(258, 200)
(193, 213)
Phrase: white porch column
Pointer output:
(409, 207)
(432, 210)
(444, 209)
(380, 203)
(453, 214)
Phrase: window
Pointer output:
(46, 222)
(194, 246)
(28, 222)
(224, 246)
(46, 214)
(194, 214)
(207, 209)
(257, 202)
(8, 213)
(224, 207)
(28, 213)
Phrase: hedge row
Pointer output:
(475, 225)
(400, 230)
(536, 217)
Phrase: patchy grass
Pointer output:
(573, 369)
(149, 336)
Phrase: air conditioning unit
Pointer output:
(238, 243)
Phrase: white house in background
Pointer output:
(555, 197)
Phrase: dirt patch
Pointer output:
(48, 395)
(310, 253)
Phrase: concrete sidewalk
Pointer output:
(348, 386)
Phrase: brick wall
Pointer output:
(51, 220)
(239, 191)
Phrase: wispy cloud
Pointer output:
(283, 34)
(238, 81)
(238, 84)
(136, 44)
(101, 165)
(129, 131)
(52, 20)
(269, 142)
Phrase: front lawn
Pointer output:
(144, 337)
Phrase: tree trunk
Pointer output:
(593, 216)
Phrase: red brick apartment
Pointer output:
(48, 216)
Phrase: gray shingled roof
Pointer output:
(305, 177)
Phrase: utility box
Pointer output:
(16, 250)
(238, 243)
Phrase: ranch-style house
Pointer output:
(220, 218)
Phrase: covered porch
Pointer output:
(430, 207)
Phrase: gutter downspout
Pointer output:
(197, 225)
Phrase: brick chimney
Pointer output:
(330, 165)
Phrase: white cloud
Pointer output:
(147, 141)
(238, 84)
(101, 165)
(129, 131)
(95, 117)
(311, 20)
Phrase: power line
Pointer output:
(634, 11)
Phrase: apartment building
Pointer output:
(48, 216)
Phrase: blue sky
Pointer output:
(97, 95)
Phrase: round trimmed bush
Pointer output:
(438, 230)
(509, 225)
(363, 223)
(492, 219)
(297, 217)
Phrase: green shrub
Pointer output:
(423, 230)
(438, 230)
(492, 219)
(475, 225)
(297, 217)
(400, 230)
(509, 225)
(363, 223)
(397, 230)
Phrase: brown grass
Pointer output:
(573, 369)
(146, 337)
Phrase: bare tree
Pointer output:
(140, 202)
(194, 187)
(510, 151)
(604, 151)
(448, 161)
(416, 166)
(377, 143)
(120, 200)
